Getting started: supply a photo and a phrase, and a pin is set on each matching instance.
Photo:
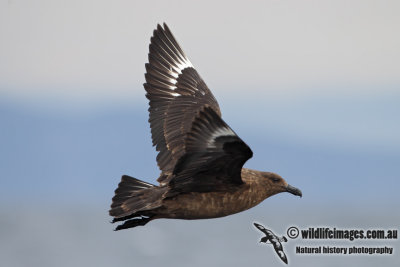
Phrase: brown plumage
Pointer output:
(200, 156)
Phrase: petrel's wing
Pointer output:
(176, 93)
(261, 228)
(214, 156)
(274, 241)
(279, 250)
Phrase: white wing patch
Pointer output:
(183, 65)
(177, 71)
(170, 57)
(177, 68)
(224, 131)
(175, 94)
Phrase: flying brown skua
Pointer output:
(200, 157)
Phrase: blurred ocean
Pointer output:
(59, 171)
(39, 235)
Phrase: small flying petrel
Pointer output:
(200, 156)
(274, 240)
